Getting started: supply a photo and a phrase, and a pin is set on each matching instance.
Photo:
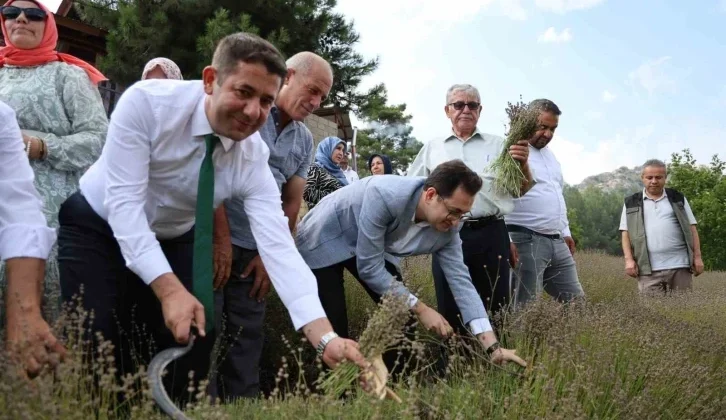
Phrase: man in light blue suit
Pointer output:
(353, 227)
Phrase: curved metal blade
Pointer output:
(156, 368)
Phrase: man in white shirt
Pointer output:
(485, 242)
(137, 237)
(538, 224)
(25, 243)
(349, 173)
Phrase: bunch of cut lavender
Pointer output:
(383, 332)
(508, 175)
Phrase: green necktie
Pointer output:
(203, 270)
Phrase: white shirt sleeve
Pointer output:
(480, 325)
(419, 166)
(623, 220)
(128, 144)
(293, 281)
(689, 212)
(24, 232)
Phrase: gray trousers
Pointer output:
(239, 318)
(544, 264)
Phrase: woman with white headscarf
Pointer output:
(161, 68)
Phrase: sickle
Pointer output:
(156, 369)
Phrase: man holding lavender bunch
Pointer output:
(488, 251)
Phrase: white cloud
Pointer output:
(608, 96)
(564, 6)
(593, 115)
(551, 36)
(627, 148)
(652, 75)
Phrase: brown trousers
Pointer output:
(665, 280)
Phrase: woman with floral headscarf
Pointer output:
(161, 68)
(324, 175)
(59, 110)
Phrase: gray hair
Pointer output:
(468, 89)
(304, 62)
(544, 105)
(654, 163)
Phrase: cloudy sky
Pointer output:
(634, 79)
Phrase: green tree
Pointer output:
(389, 133)
(594, 217)
(186, 31)
(705, 188)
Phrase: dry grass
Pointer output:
(617, 355)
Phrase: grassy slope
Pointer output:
(618, 356)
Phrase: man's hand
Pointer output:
(222, 258)
(697, 266)
(570, 244)
(432, 320)
(500, 355)
(31, 342)
(513, 255)
(262, 281)
(520, 151)
(181, 310)
(631, 268)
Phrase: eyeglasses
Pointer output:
(473, 106)
(455, 214)
(32, 14)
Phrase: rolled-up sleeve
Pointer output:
(127, 179)
(24, 231)
(293, 280)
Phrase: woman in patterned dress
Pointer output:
(324, 175)
(59, 110)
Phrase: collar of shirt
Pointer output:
(645, 196)
(454, 136)
(201, 127)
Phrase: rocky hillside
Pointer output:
(622, 179)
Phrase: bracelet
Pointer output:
(27, 147)
(327, 338)
(43, 150)
(491, 349)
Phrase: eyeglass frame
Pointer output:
(466, 104)
(32, 14)
(452, 214)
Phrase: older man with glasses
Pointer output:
(486, 245)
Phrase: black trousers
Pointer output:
(331, 291)
(240, 321)
(486, 254)
(125, 310)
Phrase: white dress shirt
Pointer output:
(24, 232)
(145, 186)
(543, 208)
(350, 175)
(477, 152)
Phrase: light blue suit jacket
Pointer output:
(364, 219)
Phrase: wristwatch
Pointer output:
(491, 349)
(324, 342)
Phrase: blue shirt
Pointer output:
(290, 155)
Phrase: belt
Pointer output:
(481, 222)
(515, 228)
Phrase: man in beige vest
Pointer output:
(659, 236)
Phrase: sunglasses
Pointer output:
(33, 15)
(473, 106)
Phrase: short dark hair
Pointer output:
(450, 175)
(248, 48)
(544, 105)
